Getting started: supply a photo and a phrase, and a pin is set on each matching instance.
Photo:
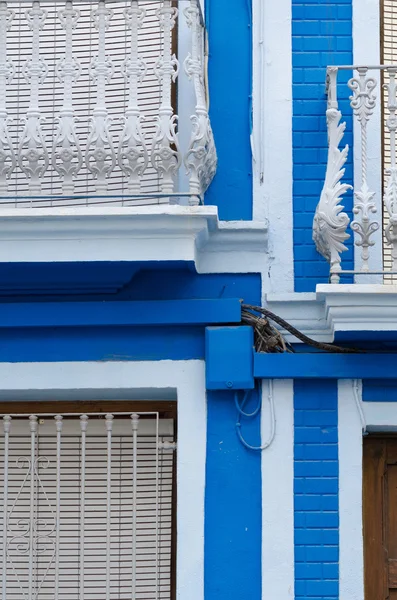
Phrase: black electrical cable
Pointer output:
(269, 339)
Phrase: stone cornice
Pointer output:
(338, 309)
(154, 233)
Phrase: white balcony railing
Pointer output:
(88, 98)
(373, 101)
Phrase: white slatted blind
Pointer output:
(154, 478)
(85, 47)
(389, 57)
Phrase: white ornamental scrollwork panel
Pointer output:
(165, 154)
(7, 154)
(67, 157)
(100, 155)
(133, 155)
(33, 152)
(363, 103)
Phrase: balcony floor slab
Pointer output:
(154, 233)
(336, 312)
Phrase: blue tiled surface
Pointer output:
(316, 490)
(322, 36)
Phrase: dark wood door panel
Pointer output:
(380, 517)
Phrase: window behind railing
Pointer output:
(388, 57)
(87, 507)
(88, 102)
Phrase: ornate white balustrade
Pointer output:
(88, 102)
(373, 101)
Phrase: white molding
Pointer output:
(272, 136)
(278, 496)
(366, 51)
(155, 233)
(337, 308)
(351, 566)
(359, 307)
(381, 417)
(304, 311)
(187, 378)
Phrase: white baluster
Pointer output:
(100, 154)
(134, 424)
(390, 196)
(58, 425)
(7, 428)
(165, 153)
(330, 224)
(66, 153)
(7, 155)
(33, 155)
(201, 158)
(132, 152)
(109, 426)
(363, 102)
(83, 426)
(33, 422)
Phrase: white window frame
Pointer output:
(183, 380)
(379, 416)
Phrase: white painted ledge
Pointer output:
(155, 233)
(337, 308)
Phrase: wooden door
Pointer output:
(380, 518)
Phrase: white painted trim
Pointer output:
(155, 233)
(337, 307)
(26, 380)
(272, 136)
(379, 416)
(351, 566)
(278, 496)
(366, 51)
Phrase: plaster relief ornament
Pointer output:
(330, 223)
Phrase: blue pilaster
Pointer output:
(233, 515)
(316, 490)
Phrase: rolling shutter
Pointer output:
(83, 518)
(389, 57)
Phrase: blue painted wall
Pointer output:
(233, 519)
(39, 344)
(322, 36)
(316, 489)
(230, 84)
(380, 390)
